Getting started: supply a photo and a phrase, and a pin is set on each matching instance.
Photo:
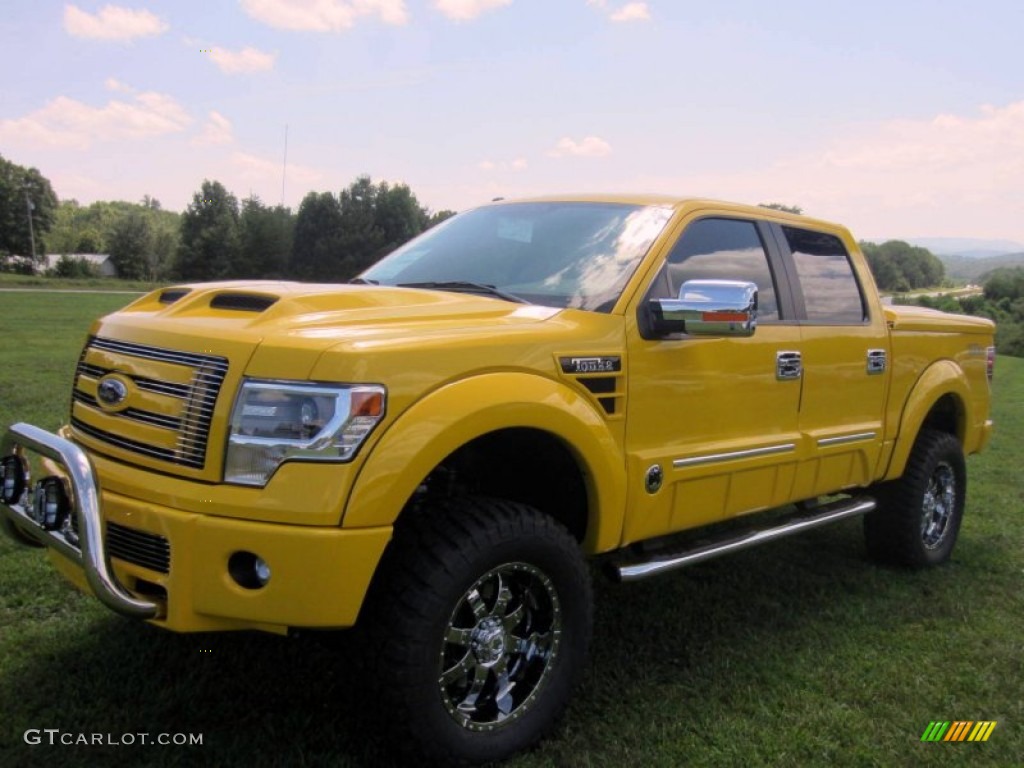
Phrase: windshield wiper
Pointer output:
(363, 281)
(463, 286)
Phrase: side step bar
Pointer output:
(662, 562)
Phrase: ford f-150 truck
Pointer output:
(432, 451)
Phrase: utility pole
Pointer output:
(284, 165)
(31, 230)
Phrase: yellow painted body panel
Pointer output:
(730, 437)
(319, 575)
(461, 411)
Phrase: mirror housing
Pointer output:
(708, 308)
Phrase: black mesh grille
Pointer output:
(146, 549)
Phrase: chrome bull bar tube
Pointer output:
(89, 551)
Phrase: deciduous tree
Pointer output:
(209, 243)
(24, 193)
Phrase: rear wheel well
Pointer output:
(520, 464)
(947, 415)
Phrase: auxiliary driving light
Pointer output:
(50, 505)
(248, 570)
(13, 479)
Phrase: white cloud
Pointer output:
(518, 164)
(245, 60)
(112, 22)
(635, 11)
(112, 84)
(463, 10)
(217, 130)
(324, 15)
(253, 168)
(67, 122)
(952, 175)
(590, 146)
(631, 12)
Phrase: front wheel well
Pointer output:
(519, 464)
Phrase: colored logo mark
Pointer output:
(958, 730)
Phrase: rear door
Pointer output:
(844, 355)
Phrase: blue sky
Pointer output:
(899, 119)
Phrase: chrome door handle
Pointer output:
(788, 366)
(876, 361)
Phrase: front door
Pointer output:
(717, 417)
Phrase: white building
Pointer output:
(101, 261)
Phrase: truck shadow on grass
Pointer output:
(667, 655)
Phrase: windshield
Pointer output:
(558, 254)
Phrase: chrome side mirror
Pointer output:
(709, 308)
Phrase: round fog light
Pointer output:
(248, 570)
(50, 506)
(13, 479)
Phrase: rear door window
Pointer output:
(831, 293)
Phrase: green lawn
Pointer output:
(10, 281)
(801, 653)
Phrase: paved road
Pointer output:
(66, 290)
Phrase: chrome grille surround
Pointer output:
(192, 429)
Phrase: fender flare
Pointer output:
(941, 378)
(456, 413)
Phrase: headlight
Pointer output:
(277, 421)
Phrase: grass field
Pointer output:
(801, 653)
(10, 281)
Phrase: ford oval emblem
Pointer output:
(112, 392)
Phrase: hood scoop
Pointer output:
(243, 302)
(171, 295)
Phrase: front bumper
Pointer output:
(319, 575)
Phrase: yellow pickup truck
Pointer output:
(432, 451)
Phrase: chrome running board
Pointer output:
(661, 562)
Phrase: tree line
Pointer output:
(332, 237)
(1002, 300)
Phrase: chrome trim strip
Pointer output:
(91, 551)
(192, 429)
(193, 360)
(828, 514)
(768, 450)
(827, 441)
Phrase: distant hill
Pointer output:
(971, 268)
(973, 247)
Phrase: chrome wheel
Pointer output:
(500, 645)
(939, 504)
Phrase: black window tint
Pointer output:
(724, 249)
(831, 293)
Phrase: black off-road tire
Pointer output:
(476, 629)
(918, 516)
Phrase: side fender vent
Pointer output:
(242, 302)
(601, 376)
(599, 386)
